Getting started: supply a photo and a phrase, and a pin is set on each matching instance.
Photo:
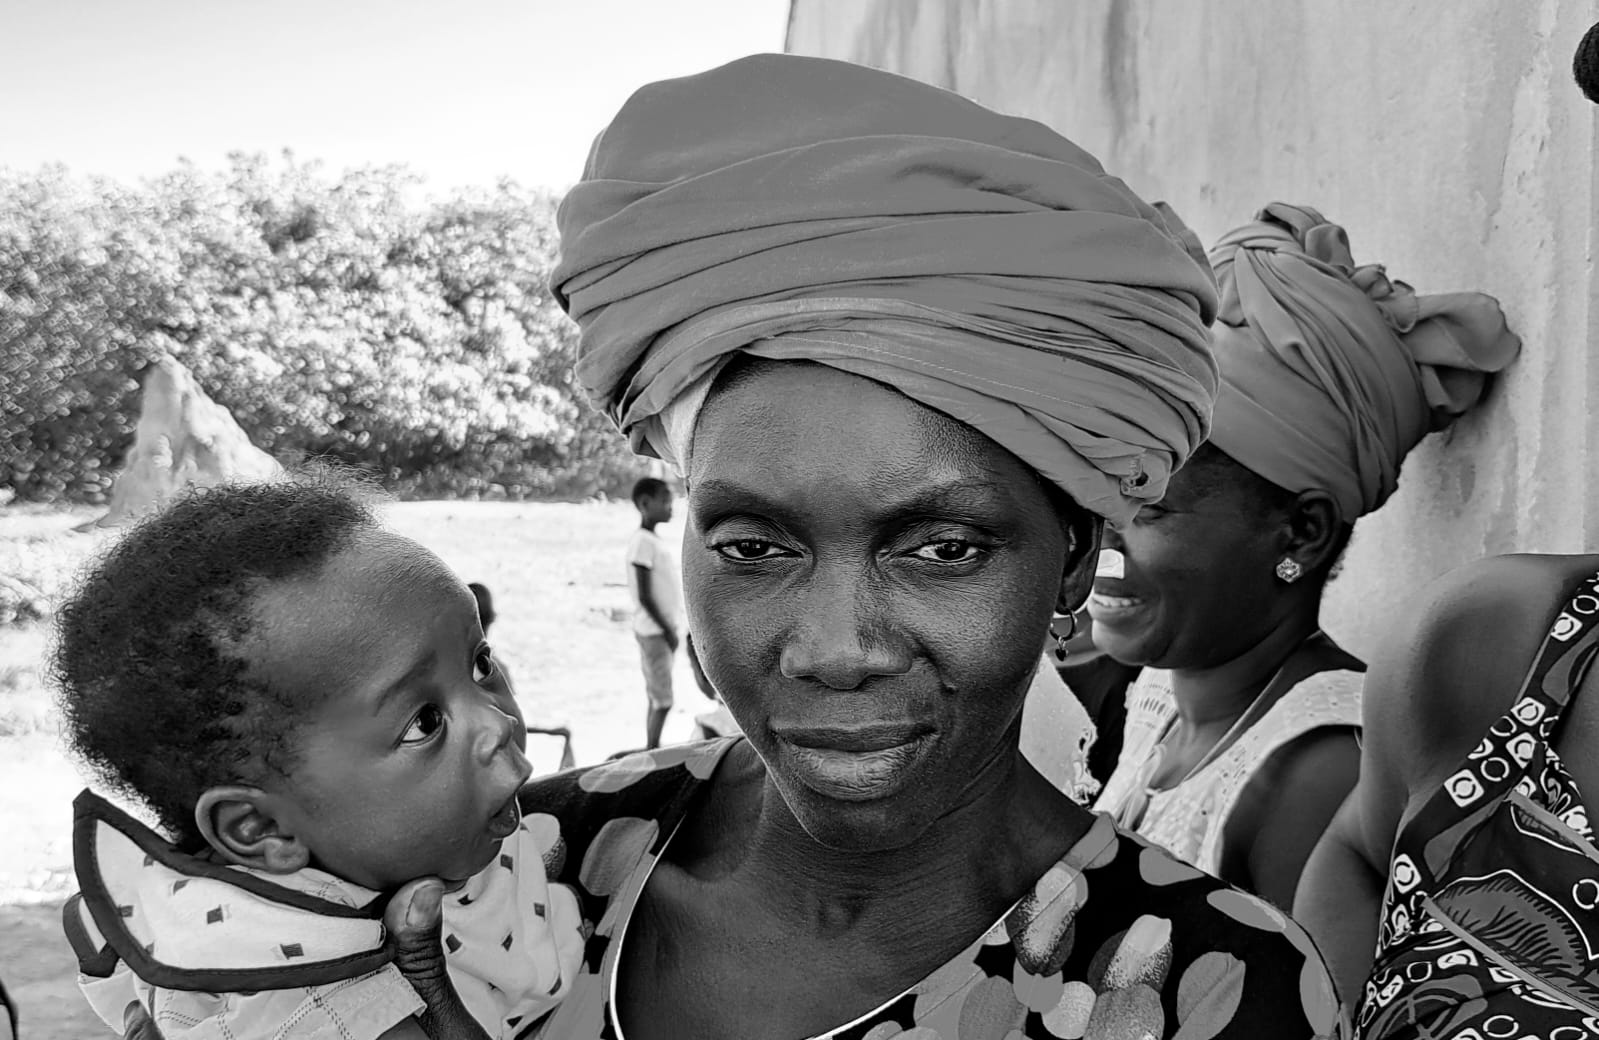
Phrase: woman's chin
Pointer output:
(1124, 640)
(859, 828)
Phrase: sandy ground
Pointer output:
(557, 575)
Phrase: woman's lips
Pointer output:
(854, 765)
(1111, 602)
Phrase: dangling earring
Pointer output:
(1062, 640)
(1289, 570)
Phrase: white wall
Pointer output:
(1445, 135)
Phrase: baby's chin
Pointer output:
(455, 875)
(453, 882)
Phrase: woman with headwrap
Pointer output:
(1241, 735)
(1465, 858)
(907, 354)
(1482, 715)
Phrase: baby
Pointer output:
(306, 703)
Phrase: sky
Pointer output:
(462, 91)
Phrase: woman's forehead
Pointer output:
(818, 424)
(804, 395)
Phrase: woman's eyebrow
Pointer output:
(720, 498)
(959, 497)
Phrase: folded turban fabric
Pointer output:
(981, 264)
(1331, 373)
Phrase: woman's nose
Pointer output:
(1111, 539)
(841, 635)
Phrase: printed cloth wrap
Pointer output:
(1116, 939)
(1490, 923)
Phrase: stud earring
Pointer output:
(1289, 570)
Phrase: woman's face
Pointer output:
(869, 584)
(1198, 587)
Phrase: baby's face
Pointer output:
(410, 762)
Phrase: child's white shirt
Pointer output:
(513, 943)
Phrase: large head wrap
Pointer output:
(1331, 373)
(980, 264)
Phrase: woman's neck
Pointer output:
(1217, 695)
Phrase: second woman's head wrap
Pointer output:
(1331, 373)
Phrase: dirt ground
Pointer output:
(41, 976)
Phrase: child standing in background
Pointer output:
(652, 577)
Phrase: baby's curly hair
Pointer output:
(149, 676)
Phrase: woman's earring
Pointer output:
(1062, 640)
(1289, 570)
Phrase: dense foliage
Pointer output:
(333, 316)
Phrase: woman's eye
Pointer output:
(428, 721)
(951, 550)
(483, 665)
(747, 550)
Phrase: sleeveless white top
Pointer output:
(1189, 819)
(1057, 734)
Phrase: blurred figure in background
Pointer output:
(485, 604)
(718, 722)
(1099, 682)
(652, 577)
(1056, 730)
(545, 728)
(1076, 707)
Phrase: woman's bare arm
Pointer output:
(1284, 810)
(1340, 897)
(1450, 665)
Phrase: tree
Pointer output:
(333, 316)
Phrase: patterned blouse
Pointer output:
(1490, 924)
(1117, 939)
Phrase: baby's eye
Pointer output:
(950, 550)
(428, 721)
(483, 665)
(749, 550)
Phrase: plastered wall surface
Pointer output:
(1447, 137)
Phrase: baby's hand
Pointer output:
(415, 925)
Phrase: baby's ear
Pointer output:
(239, 823)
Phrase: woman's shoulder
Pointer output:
(648, 791)
(1145, 918)
(1452, 662)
